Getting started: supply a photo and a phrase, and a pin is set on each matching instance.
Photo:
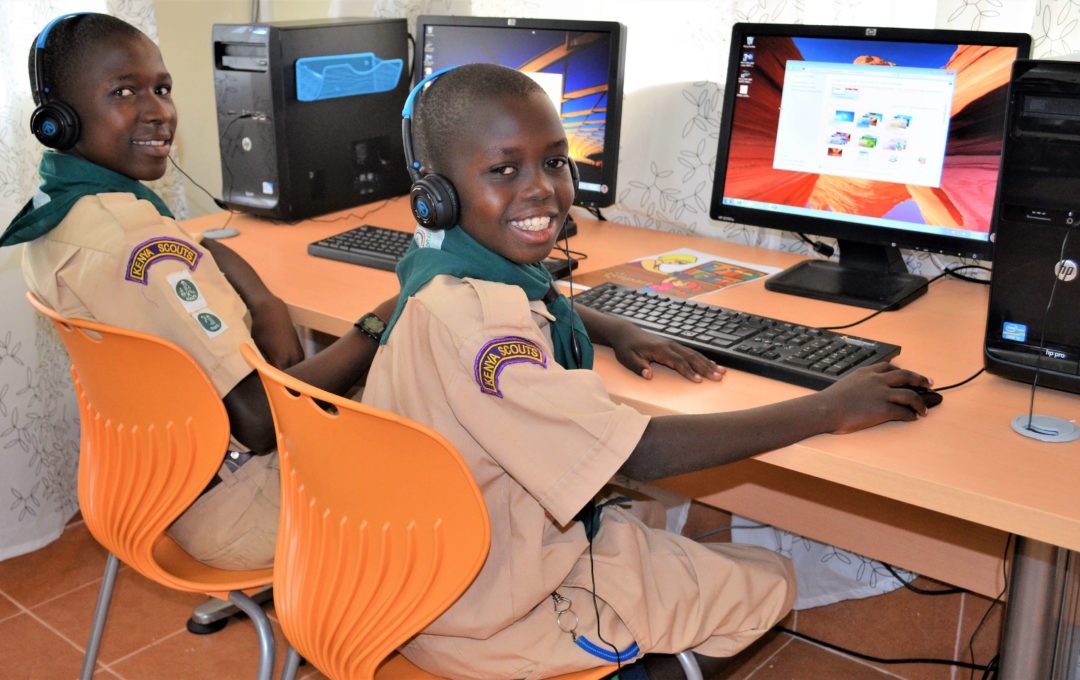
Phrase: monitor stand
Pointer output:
(872, 276)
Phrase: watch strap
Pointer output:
(371, 325)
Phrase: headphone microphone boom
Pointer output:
(53, 122)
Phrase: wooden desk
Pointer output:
(936, 496)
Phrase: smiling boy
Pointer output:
(482, 349)
(102, 246)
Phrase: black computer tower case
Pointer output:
(309, 114)
(1033, 321)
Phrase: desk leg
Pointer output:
(1038, 636)
(307, 341)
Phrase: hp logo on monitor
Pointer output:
(871, 32)
(1066, 270)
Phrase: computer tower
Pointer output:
(1033, 321)
(309, 114)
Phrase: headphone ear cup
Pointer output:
(56, 125)
(434, 202)
(574, 174)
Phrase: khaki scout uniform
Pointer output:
(116, 260)
(472, 359)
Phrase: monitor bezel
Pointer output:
(839, 229)
(616, 65)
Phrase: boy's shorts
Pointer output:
(234, 524)
(723, 598)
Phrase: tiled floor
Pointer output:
(47, 599)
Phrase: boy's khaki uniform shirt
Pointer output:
(115, 260)
(473, 360)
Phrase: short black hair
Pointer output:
(69, 42)
(443, 109)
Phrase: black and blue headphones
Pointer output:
(53, 122)
(433, 199)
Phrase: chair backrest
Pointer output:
(382, 526)
(153, 433)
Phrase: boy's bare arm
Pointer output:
(345, 363)
(335, 369)
(636, 349)
(673, 445)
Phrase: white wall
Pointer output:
(674, 76)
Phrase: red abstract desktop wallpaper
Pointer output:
(963, 199)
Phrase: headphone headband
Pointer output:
(411, 163)
(407, 111)
(40, 89)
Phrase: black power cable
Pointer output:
(889, 308)
(878, 659)
(820, 247)
(986, 615)
(989, 669)
(917, 589)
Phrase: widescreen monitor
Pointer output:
(578, 63)
(882, 138)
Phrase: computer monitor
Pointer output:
(882, 138)
(578, 63)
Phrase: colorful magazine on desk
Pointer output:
(684, 273)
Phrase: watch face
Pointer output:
(373, 324)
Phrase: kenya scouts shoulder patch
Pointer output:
(500, 353)
(156, 250)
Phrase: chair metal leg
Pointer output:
(292, 664)
(262, 625)
(212, 615)
(101, 612)
(689, 665)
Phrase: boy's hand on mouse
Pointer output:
(274, 334)
(874, 394)
(637, 350)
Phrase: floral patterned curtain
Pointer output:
(39, 429)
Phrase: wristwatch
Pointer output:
(371, 326)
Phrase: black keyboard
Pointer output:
(368, 245)
(801, 355)
(383, 248)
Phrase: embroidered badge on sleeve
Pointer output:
(211, 323)
(500, 353)
(186, 290)
(155, 250)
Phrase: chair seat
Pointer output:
(397, 667)
(184, 572)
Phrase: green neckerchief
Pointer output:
(455, 253)
(64, 180)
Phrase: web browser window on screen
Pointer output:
(865, 122)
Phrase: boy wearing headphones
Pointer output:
(483, 349)
(100, 245)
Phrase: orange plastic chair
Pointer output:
(382, 528)
(153, 434)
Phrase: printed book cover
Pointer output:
(684, 273)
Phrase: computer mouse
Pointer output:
(929, 396)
